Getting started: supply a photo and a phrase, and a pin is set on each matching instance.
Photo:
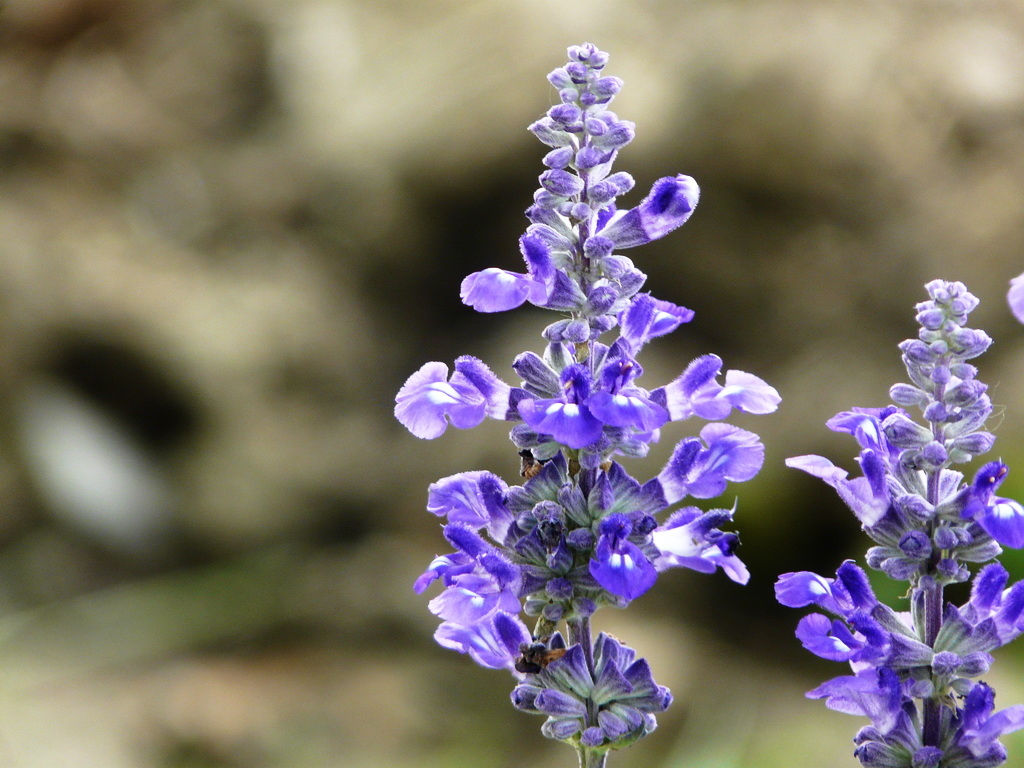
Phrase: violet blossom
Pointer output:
(580, 533)
(914, 671)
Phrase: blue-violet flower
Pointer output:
(580, 533)
(914, 671)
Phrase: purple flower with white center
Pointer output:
(914, 672)
(619, 565)
(580, 534)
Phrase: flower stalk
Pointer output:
(580, 533)
(914, 673)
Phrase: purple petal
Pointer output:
(493, 643)
(1015, 297)
(496, 290)
(1003, 520)
(668, 206)
(627, 409)
(427, 401)
(827, 638)
(568, 423)
(796, 590)
(623, 571)
(748, 393)
(446, 566)
(647, 318)
(858, 494)
(733, 454)
(474, 498)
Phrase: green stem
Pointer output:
(579, 632)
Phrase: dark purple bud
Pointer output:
(965, 392)
(581, 539)
(548, 133)
(560, 78)
(577, 72)
(601, 298)
(592, 737)
(931, 318)
(940, 374)
(905, 433)
(906, 395)
(546, 199)
(553, 702)
(976, 443)
(915, 544)
(945, 538)
(936, 412)
(591, 157)
(618, 136)
(926, 757)
(587, 99)
(576, 331)
(917, 352)
(584, 607)
(601, 193)
(597, 247)
(621, 181)
(569, 95)
(558, 158)
(949, 568)
(536, 374)
(559, 588)
(561, 183)
(974, 664)
(605, 88)
(580, 211)
(565, 114)
(915, 507)
(553, 612)
(935, 453)
(971, 343)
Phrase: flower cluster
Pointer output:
(580, 533)
(914, 672)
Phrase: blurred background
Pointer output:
(229, 229)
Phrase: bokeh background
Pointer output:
(229, 229)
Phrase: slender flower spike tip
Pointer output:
(915, 672)
(580, 533)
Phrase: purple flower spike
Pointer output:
(579, 533)
(914, 669)
(668, 206)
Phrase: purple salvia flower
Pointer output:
(429, 400)
(914, 672)
(580, 533)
